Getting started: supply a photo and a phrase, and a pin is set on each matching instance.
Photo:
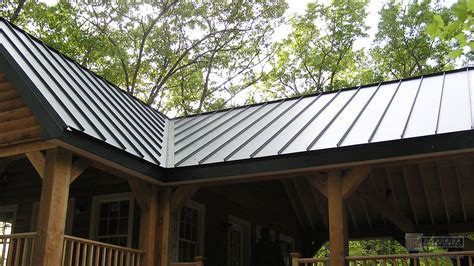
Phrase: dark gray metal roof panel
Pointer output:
(84, 101)
(381, 113)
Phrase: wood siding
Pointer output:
(17, 122)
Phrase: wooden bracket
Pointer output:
(38, 160)
(350, 181)
(142, 191)
(181, 195)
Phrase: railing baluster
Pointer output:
(104, 254)
(18, 250)
(97, 254)
(458, 260)
(25, 251)
(11, 247)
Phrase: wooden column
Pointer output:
(164, 226)
(337, 230)
(53, 206)
(148, 222)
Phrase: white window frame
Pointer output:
(71, 203)
(201, 208)
(247, 240)
(10, 208)
(97, 200)
(287, 239)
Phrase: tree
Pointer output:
(402, 48)
(317, 53)
(459, 29)
(180, 55)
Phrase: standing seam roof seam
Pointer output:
(470, 96)
(242, 131)
(280, 130)
(411, 109)
(95, 90)
(238, 112)
(309, 121)
(54, 80)
(332, 120)
(201, 128)
(257, 109)
(358, 116)
(132, 113)
(384, 112)
(43, 81)
(90, 85)
(219, 135)
(153, 118)
(440, 103)
(48, 60)
(120, 121)
(184, 122)
(80, 97)
(136, 114)
(263, 128)
(193, 125)
(139, 130)
(79, 77)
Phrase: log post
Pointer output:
(53, 207)
(337, 224)
(164, 226)
(148, 221)
(295, 259)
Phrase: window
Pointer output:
(191, 231)
(7, 225)
(287, 246)
(238, 242)
(112, 218)
(7, 219)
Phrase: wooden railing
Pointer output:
(17, 249)
(460, 258)
(78, 251)
(198, 261)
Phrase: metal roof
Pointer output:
(85, 102)
(79, 101)
(415, 107)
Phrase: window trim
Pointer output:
(247, 238)
(10, 208)
(97, 200)
(201, 208)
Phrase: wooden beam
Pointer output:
(305, 200)
(353, 179)
(78, 167)
(53, 205)
(319, 182)
(23, 148)
(377, 201)
(182, 195)
(37, 159)
(142, 192)
(337, 230)
(291, 194)
(460, 189)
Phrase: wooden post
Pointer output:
(148, 221)
(337, 230)
(53, 206)
(164, 226)
(295, 259)
(199, 261)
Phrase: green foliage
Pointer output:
(318, 55)
(188, 56)
(402, 48)
(459, 28)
